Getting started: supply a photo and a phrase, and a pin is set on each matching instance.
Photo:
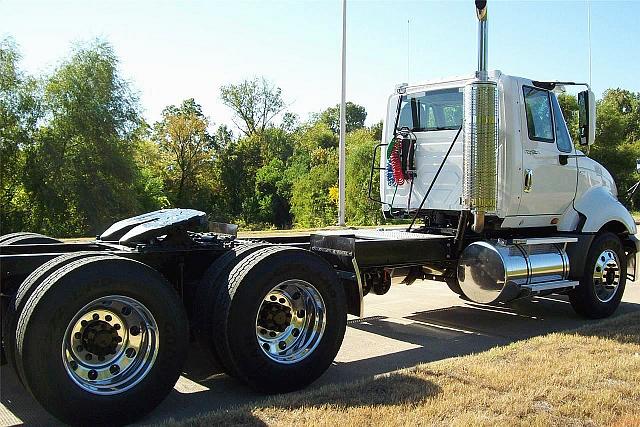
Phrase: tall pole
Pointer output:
(343, 114)
(589, 30)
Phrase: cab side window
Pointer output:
(563, 140)
(537, 104)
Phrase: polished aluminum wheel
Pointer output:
(110, 345)
(291, 321)
(606, 275)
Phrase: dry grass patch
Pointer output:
(590, 376)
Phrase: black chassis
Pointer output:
(181, 244)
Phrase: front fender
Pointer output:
(599, 207)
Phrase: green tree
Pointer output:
(617, 144)
(569, 106)
(355, 115)
(360, 210)
(313, 172)
(20, 110)
(182, 135)
(152, 165)
(255, 103)
(80, 170)
(376, 131)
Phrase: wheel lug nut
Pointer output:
(114, 369)
(108, 318)
(265, 346)
(96, 316)
(282, 345)
(300, 313)
(92, 374)
(126, 310)
(263, 331)
(295, 332)
(89, 356)
(134, 330)
(130, 353)
(273, 298)
(282, 301)
(83, 323)
(118, 339)
(116, 327)
(77, 335)
(272, 334)
(73, 365)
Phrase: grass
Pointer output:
(590, 376)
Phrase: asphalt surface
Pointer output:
(410, 325)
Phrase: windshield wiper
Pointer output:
(434, 128)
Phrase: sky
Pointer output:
(173, 50)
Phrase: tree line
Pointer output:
(77, 154)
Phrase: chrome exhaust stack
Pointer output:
(480, 148)
(481, 13)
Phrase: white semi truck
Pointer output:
(503, 206)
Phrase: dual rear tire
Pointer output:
(97, 339)
(279, 319)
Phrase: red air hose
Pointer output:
(396, 164)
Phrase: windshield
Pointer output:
(433, 110)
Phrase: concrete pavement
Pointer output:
(410, 325)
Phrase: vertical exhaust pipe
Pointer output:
(481, 134)
(481, 74)
(483, 48)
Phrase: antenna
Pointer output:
(589, 31)
(408, 50)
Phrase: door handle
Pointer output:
(528, 180)
(563, 159)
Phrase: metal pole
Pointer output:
(589, 30)
(481, 12)
(341, 163)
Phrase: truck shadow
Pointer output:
(388, 390)
(419, 337)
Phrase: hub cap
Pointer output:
(291, 321)
(606, 275)
(110, 345)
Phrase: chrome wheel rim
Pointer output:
(291, 321)
(110, 345)
(606, 275)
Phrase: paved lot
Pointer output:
(408, 326)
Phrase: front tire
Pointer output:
(283, 319)
(102, 340)
(603, 280)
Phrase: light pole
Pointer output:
(341, 161)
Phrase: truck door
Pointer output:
(548, 159)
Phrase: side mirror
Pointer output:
(587, 117)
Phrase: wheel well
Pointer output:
(615, 227)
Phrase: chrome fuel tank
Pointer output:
(491, 271)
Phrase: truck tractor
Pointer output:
(502, 204)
